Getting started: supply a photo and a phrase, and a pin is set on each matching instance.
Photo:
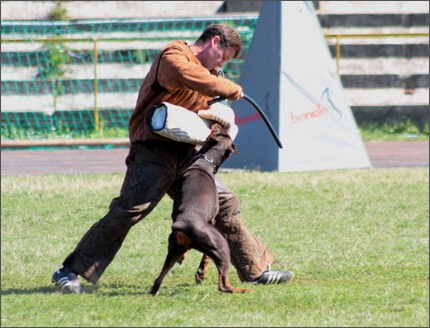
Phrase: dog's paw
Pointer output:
(199, 277)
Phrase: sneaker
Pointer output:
(67, 280)
(274, 277)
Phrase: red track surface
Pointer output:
(33, 162)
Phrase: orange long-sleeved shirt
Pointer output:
(188, 83)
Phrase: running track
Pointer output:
(385, 154)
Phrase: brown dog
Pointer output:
(194, 209)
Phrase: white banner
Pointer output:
(289, 72)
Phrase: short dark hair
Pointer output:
(230, 38)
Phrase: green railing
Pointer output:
(80, 79)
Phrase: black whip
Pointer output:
(263, 116)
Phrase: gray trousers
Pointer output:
(153, 169)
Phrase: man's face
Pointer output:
(216, 55)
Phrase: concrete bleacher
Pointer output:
(126, 48)
(385, 78)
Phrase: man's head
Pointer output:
(217, 44)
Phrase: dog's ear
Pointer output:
(233, 149)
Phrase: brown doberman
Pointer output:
(194, 209)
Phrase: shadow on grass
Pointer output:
(105, 290)
(42, 290)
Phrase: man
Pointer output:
(184, 75)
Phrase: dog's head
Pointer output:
(217, 147)
(219, 135)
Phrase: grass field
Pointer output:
(357, 240)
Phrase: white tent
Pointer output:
(290, 74)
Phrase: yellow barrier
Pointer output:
(340, 36)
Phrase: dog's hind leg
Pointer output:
(210, 242)
(200, 274)
(202, 270)
(176, 252)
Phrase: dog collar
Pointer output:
(207, 159)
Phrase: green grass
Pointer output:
(402, 131)
(357, 240)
